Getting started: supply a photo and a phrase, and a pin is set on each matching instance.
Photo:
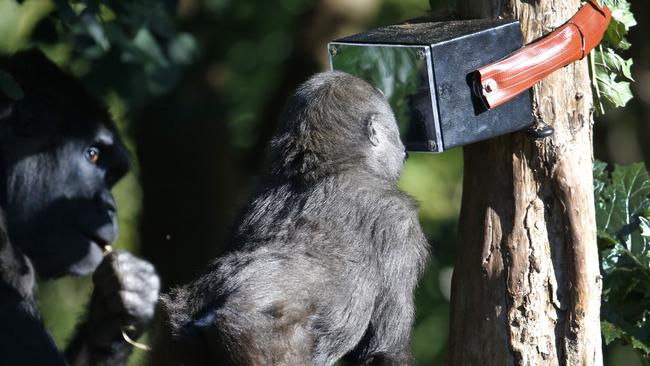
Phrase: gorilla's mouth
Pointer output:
(97, 240)
(80, 257)
(102, 236)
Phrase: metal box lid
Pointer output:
(426, 72)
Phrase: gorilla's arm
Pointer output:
(122, 304)
(23, 339)
(126, 290)
(394, 313)
(387, 339)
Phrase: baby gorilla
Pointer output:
(324, 260)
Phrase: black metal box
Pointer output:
(426, 72)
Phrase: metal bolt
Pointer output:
(334, 50)
(490, 86)
(432, 145)
(421, 55)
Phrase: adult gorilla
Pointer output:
(59, 157)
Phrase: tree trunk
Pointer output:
(640, 52)
(526, 285)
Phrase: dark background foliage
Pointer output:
(197, 86)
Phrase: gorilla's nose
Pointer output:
(105, 203)
(105, 234)
(102, 228)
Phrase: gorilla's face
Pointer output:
(60, 155)
(60, 211)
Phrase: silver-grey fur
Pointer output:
(324, 259)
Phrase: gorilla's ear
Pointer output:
(371, 128)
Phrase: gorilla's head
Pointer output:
(60, 157)
(336, 121)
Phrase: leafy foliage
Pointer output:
(130, 47)
(623, 217)
(611, 73)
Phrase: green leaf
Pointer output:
(106, 14)
(640, 345)
(601, 177)
(612, 63)
(633, 334)
(628, 198)
(610, 331)
(95, 30)
(182, 49)
(621, 202)
(624, 16)
(148, 45)
(644, 226)
(612, 73)
(9, 86)
(606, 240)
(615, 36)
(633, 183)
(613, 76)
(614, 93)
(622, 21)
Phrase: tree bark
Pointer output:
(526, 285)
(640, 52)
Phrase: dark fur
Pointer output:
(325, 259)
(59, 212)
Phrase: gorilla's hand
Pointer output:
(126, 290)
(121, 307)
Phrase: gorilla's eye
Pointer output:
(92, 154)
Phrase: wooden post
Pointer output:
(526, 284)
